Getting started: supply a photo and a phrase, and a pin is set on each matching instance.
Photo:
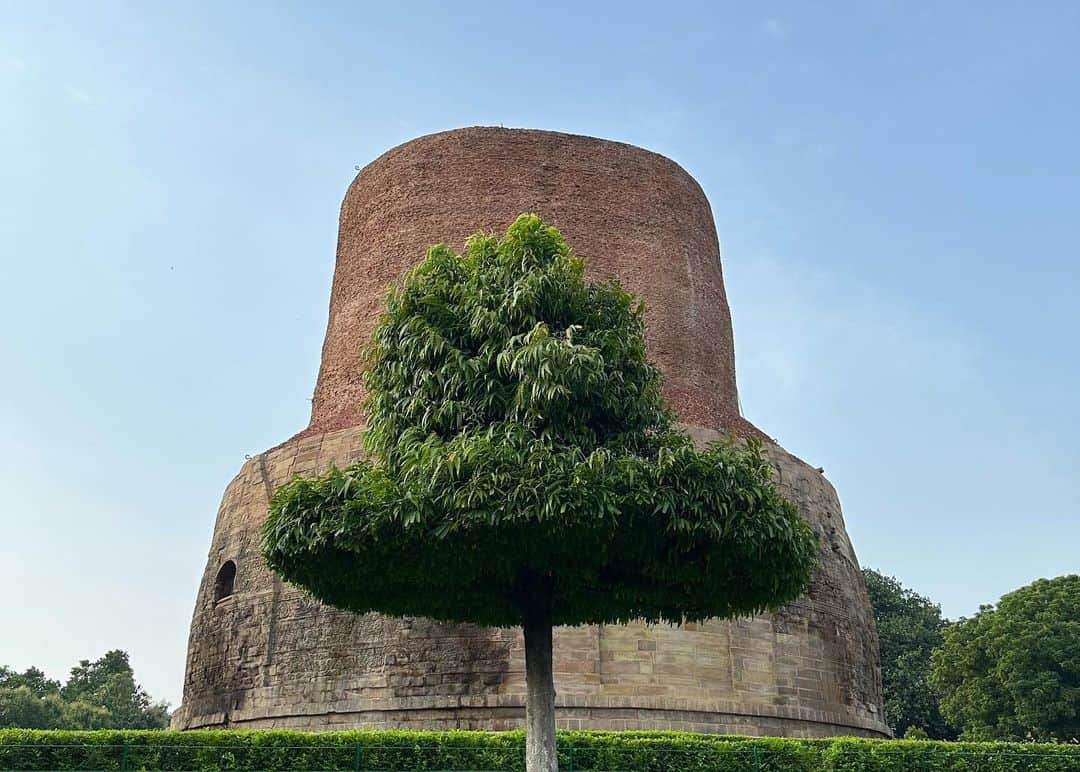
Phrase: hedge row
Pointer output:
(581, 751)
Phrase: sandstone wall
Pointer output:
(267, 656)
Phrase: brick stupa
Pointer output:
(263, 654)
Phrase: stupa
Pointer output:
(263, 654)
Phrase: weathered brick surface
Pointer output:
(267, 656)
(632, 213)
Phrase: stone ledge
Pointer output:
(605, 718)
(650, 711)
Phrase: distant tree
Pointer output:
(110, 683)
(1012, 672)
(32, 678)
(524, 470)
(99, 695)
(21, 708)
(909, 628)
(85, 715)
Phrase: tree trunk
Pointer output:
(541, 754)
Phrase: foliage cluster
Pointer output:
(1012, 671)
(102, 694)
(404, 750)
(909, 628)
(523, 461)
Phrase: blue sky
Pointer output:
(896, 187)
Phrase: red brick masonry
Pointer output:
(632, 213)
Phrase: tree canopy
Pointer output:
(909, 628)
(523, 469)
(519, 447)
(1012, 671)
(102, 694)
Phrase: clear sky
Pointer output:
(896, 188)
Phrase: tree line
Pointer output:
(1010, 672)
(99, 694)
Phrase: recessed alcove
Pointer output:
(225, 581)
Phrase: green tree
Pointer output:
(85, 715)
(30, 700)
(909, 628)
(1012, 671)
(21, 708)
(32, 678)
(102, 694)
(109, 682)
(524, 470)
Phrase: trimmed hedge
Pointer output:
(581, 751)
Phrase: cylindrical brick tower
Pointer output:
(263, 654)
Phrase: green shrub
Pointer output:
(580, 750)
(851, 755)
